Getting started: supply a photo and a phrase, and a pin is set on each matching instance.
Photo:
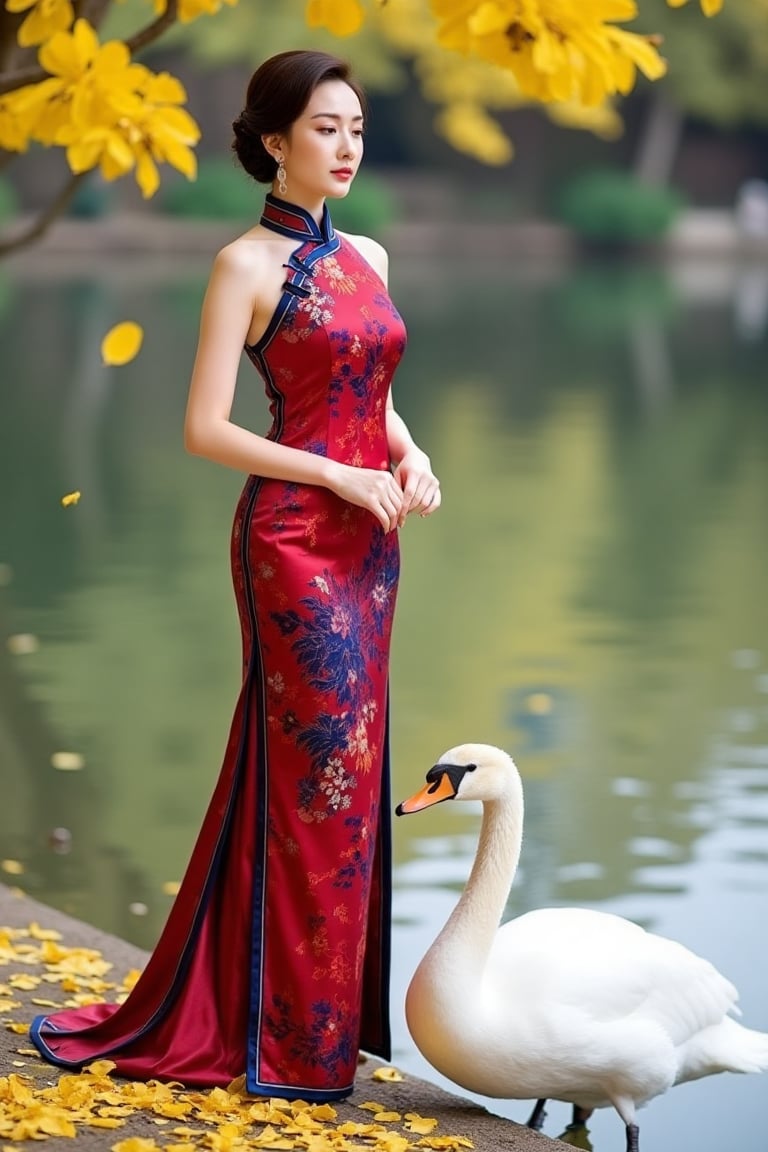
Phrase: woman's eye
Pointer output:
(327, 129)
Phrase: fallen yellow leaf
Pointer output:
(421, 1125)
(389, 1074)
(12, 867)
(136, 1144)
(38, 933)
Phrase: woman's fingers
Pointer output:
(433, 503)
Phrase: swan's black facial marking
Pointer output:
(454, 772)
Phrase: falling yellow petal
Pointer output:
(70, 498)
(388, 1074)
(12, 867)
(122, 343)
(171, 887)
(67, 761)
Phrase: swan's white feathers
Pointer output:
(582, 958)
(566, 1003)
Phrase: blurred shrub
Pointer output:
(92, 199)
(8, 202)
(221, 191)
(611, 207)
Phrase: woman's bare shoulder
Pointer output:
(372, 251)
(254, 251)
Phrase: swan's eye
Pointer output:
(471, 768)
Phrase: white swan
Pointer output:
(566, 1003)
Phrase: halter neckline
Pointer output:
(292, 220)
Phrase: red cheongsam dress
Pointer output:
(274, 961)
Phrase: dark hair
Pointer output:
(278, 93)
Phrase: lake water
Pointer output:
(592, 596)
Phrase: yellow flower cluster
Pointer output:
(708, 7)
(189, 10)
(104, 109)
(341, 17)
(222, 1120)
(557, 49)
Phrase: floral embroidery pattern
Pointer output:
(324, 584)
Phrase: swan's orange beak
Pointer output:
(432, 793)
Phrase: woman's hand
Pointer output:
(370, 488)
(420, 487)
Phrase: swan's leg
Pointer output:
(581, 1115)
(537, 1117)
(625, 1106)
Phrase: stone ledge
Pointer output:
(455, 1116)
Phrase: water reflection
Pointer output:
(591, 597)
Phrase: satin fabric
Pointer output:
(275, 957)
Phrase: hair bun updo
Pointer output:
(250, 151)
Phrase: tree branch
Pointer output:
(46, 218)
(21, 77)
(145, 36)
(154, 30)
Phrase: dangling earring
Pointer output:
(282, 177)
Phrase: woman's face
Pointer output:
(324, 147)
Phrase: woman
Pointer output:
(274, 961)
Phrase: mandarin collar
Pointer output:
(292, 220)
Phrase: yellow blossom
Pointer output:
(104, 109)
(341, 17)
(557, 50)
(708, 7)
(190, 9)
(469, 128)
(45, 18)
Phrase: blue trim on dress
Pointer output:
(294, 221)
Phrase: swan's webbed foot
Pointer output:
(537, 1117)
(633, 1138)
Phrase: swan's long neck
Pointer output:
(474, 921)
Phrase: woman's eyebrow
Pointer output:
(330, 116)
